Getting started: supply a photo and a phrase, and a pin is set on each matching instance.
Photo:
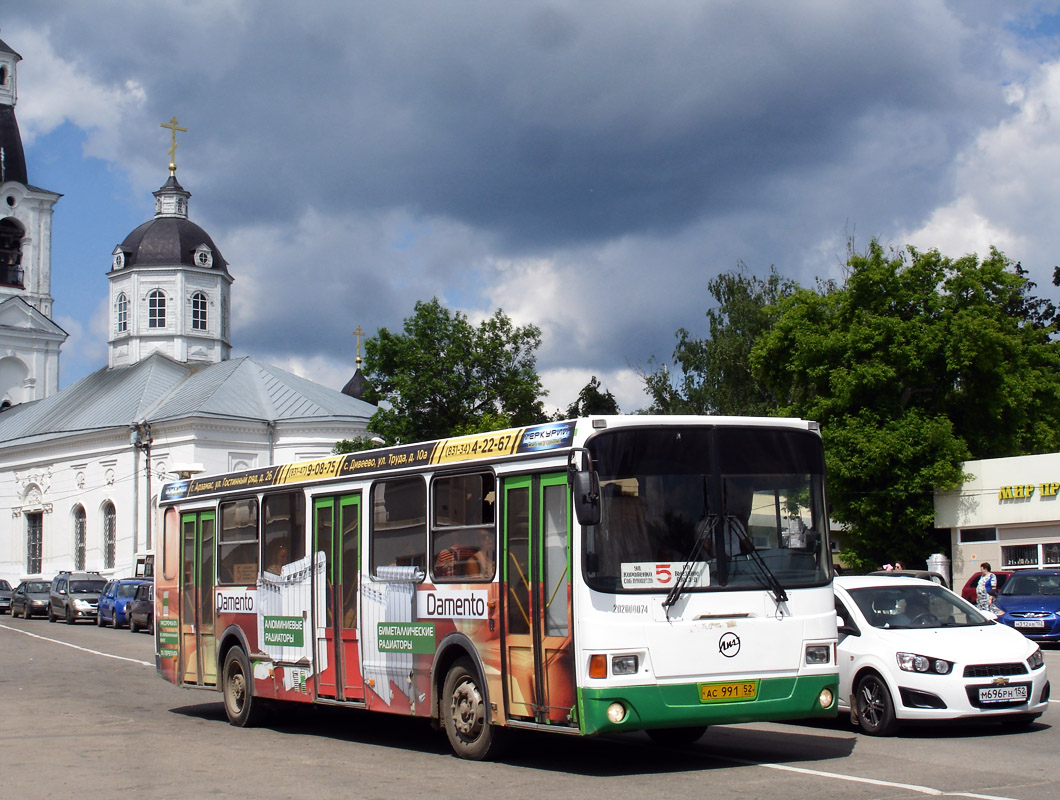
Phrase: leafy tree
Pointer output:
(715, 372)
(443, 376)
(915, 363)
(912, 364)
(592, 400)
(354, 445)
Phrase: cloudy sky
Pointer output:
(584, 165)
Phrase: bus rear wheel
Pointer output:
(464, 715)
(242, 708)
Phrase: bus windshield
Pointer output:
(735, 508)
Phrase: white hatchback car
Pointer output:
(911, 650)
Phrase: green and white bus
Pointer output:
(591, 576)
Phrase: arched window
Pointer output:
(80, 527)
(198, 311)
(110, 534)
(11, 233)
(122, 313)
(156, 309)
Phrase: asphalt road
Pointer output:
(83, 715)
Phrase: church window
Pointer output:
(198, 311)
(110, 534)
(79, 537)
(11, 233)
(156, 309)
(122, 313)
(34, 541)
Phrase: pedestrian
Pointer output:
(986, 589)
(899, 565)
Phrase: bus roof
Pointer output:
(511, 442)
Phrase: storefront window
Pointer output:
(1019, 555)
(1051, 553)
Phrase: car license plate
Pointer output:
(1028, 623)
(725, 692)
(1003, 694)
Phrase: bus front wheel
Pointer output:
(242, 708)
(464, 715)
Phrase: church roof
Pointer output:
(159, 388)
(13, 166)
(167, 242)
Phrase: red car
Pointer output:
(968, 592)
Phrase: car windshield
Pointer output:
(87, 587)
(745, 507)
(1032, 585)
(126, 589)
(38, 586)
(927, 606)
(4, 585)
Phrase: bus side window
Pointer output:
(284, 528)
(463, 529)
(399, 524)
(237, 546)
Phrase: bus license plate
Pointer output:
(1029, 623)
(725, 692)
(1003, 694)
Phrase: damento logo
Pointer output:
(729, 644)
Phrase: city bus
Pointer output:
(590, 576)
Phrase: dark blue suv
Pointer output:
(114, 598)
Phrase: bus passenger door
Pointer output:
(198, 645)
(336, 531)
(538, 643)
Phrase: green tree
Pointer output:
(592, 400)
(915, 363)
(715, 375)
(354, 445)
(444, 376)
(912, 364)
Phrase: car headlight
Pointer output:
(911, 662)
(1036, 660)
(81, 604)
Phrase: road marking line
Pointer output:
(912, 787)
(77, 647)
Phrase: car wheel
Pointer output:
(51, 614)
(114, 619)
(464, 714)
(99, 620)
(70, 618)
(676, 737)
(133, 627)
(875, 709)
(242, 708)
(25, 613)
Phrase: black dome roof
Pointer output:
(168, 241)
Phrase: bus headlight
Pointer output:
(624, 665)
(818, 654)
(616, 712)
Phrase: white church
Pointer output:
(81, 468)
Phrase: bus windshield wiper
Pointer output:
(755, 557)
(704, 532)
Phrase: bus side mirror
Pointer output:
(585, 484)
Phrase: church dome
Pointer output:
(170, 239)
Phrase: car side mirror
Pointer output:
(845, 628)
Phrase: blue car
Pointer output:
(114, 598)
(1030, 602)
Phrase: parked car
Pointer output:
(141, 610)
(74, 596)
(911, 650)
(5, 596)
(1029, 602)
(30, 598)
(114, 600)
(923, 574)
(968, 590)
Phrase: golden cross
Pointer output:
(173, 128)
(360, 335)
